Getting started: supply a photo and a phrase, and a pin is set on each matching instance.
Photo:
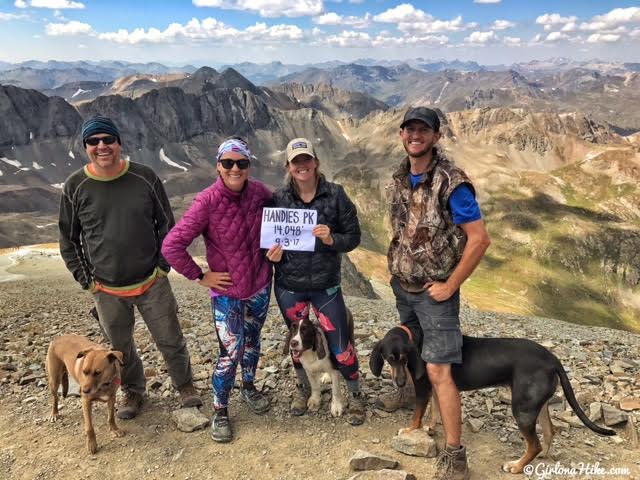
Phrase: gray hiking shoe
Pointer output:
(189, 396)
(452, 465)
(356, 411)
(130, 406)
(221, 427)
(256, 400)
(299, 403)
(404, 397)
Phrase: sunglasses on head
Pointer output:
(94, 141)
(228, 164)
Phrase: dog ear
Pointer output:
(319, 344)
(82, 353)
(416, 364)
(116, 355)
(376, 361)
(285, 350)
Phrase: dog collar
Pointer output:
(406, 329)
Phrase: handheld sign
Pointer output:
(290, 227)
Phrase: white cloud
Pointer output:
(512, 41)
(556, 37)
(502, 25)
(333, 18)
(207, 29)
(603, 38)
(635, 33)
(66, 29)
(487, 1)
(11, 16)
(481, 38)
(268, 8)
(611, 20)
(551, 20)
(349, 39)
(411, 20)
(569, 27)
(53, 4)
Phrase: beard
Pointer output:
(420, 153)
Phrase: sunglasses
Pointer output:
(228, 164)
(94, 141)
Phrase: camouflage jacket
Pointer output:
(426, 245)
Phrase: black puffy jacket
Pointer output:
(320, 269)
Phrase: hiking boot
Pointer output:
(221, 427)
(452, 464)
(189, 396)
(299, 403)
(404, 397)
(355, 412)
(130, 406)
(256, 400)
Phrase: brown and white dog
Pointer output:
(308, 343)
(97, 372)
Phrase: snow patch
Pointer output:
(79, 92)
(441, 91)
(45, 225)
(168, 161)
(37, 166)
(30, 135)
(14, 163)
(58, 185)
(71, 155)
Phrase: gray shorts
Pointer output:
(440, 322)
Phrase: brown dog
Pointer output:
(95, 369)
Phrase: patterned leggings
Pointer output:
(331, 312)
(238, 324)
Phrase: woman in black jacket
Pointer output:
(312, 279)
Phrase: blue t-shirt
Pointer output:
(462, 202)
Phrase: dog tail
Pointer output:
(65, 383)
(571, 398)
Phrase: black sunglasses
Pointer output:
(228, 164)
(94, 141)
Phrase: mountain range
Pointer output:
(553, 152)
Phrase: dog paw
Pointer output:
(325, 378)
(512, 467)
(313, 404)
(92, 446)
(54, 417)
(118, 433)
(406, 430)
(336, 409)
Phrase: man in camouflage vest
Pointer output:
(439, 238)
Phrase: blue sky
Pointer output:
(302, 31)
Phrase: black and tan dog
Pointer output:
(95, 368)
(527, 368)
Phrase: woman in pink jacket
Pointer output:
(228, 215)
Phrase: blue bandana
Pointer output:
(97, 125)
(233, 145)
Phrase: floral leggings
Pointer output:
(331, 312)
(238, 324)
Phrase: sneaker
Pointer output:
(452, 464)
(256, 400)
(189, 396)
(404, 397)
(355, 412)
(221, 427)
(130, 405)
(299, 403)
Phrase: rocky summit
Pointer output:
(39, 300)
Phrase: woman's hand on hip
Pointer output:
(323, 233)
(217, 280)
(274, 254)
